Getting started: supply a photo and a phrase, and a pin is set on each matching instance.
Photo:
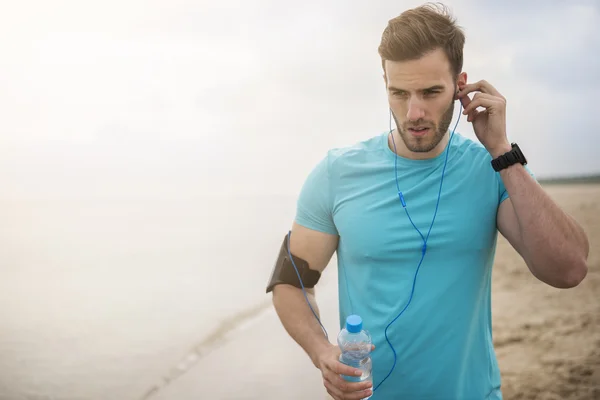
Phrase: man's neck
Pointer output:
(403, 151)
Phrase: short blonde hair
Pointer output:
(420, 30)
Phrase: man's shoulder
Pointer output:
(347, 157)
(469, 148)
(360, 148)
(465, 143)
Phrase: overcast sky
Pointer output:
(179, 98)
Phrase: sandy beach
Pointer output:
(547, 340)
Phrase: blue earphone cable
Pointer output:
(423, 249)
(302, 284)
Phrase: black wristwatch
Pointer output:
(509, 158)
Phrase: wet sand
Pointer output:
(547, 340)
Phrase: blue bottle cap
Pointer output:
(354, 323)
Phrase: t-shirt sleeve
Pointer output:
(314, 208)
(502, 192)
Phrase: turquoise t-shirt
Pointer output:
(443, 340)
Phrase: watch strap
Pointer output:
(514, 156)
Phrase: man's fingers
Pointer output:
(333, 378)
(469, 88)
(332, 390)
(334, 372)
(465, 101)
(343, 369)
(342, 393)
(481, 86)
(347, 386)
(480, 100)
(472, 115)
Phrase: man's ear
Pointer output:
(460, 82)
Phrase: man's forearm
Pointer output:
(299, 321)
(556, 246)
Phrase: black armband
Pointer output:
(284, 271)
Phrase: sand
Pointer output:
(547, 340)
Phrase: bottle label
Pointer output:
(352, 378)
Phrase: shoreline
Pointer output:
(219, 337)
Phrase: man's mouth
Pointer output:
(418, 131)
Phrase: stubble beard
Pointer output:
(428, 143)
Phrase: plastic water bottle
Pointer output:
(355, 344)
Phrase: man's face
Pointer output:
(421, 95)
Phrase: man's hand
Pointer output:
(331, 369)
(490, 124)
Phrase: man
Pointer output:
(414, 215)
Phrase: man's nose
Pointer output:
(415, 110)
